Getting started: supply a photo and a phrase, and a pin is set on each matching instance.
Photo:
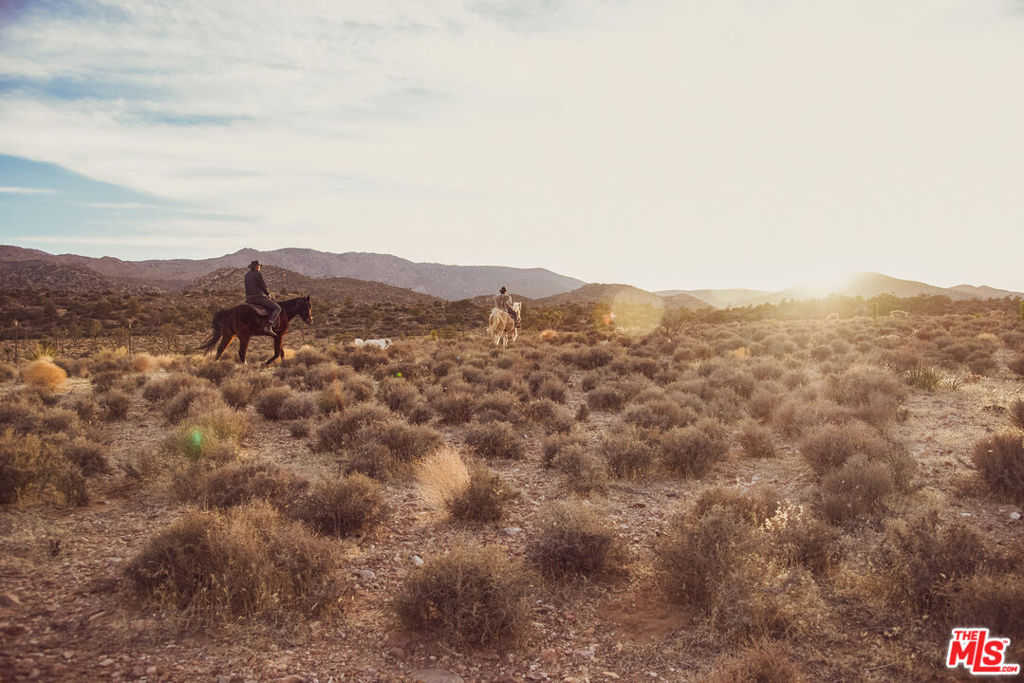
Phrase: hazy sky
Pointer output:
(677, 144)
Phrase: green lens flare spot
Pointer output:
(196, 440)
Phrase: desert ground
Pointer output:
(802, 500)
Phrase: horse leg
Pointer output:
(243, 347)
(224, 341)
(278, 351)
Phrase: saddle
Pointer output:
(259, 310)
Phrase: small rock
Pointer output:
(965, 514)
(151, 670)
(435, 676)
(417, 560)
(9, 600)
(367, 574)
(1015, 515)
(512, 530)
(107, 661)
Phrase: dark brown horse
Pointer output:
(245, 322)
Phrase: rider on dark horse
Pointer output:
(256, 292)
(503, 302)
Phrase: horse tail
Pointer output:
(208, 345)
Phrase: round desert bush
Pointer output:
(163, 388)
(196, 442)
(237, 484)
(246, 563)
(405, 442)
(1000, 464)
(270, 401)
(573, 541)
(482, 499)
(215, 371)
(552, 445)
(1017, 413)
(753, 505)
(7, 371)
(856, 490)
(764, 662)
(756, 440)
(827, 447)
(455, 407)
(691, 451)
(236, 392)
(190, 400)
(659, 414)
(297, 407)
(44, 374)
(495, 440)
(341, 507)
(606, 398)
(588, 358)
(628, 455)
(332, 398)
(995, 600)
(553, 389)
(57, 420)
(309, 356)
(499, 406)
(334, 433)
(585, 472)
(115, 404)
(87, 456)
(472, 596)
(397, 394)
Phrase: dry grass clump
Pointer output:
(215, 371)
(246, 563)
(756, 440)
(497, 406)
(1000, 464)
(605, 398)
(1017, 413)
(995, 600)
(43, 374)
(574, 541)
(239, 483)
(762, 662)
(22, 413)
(587, 358)
(163, 388)
(237, 392)
(190, 401)
(472, 596)
(7, 371)
(115, 404)
(1017, 365)
(753, 506)
(405, 442)
(628, 455)
(441, 476)
(57, 420)
(199, 443)
(332, 398)
(797, 414)
(692, 451)
(552, 445)
(495, 440)
(341, 507)
(660, 414)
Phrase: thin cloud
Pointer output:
(26, 190)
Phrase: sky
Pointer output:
(665, 144)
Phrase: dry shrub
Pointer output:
(796, 537)
(309, 356)
(332, 398)
(796, 414)
(31, 468)
(472, 596)
(660, 414)
(995, 601)
(829, 446)
(163, 388)
(22, 413)
(1017, 413)
(212, 438)
(441, 476)
(920, 557)
(500, 406)
(553, 389)
(237, 484)
(552, 445)
(605, 398)
(246, 563)
(495, 440)
(403, 441)
(215, 371)
(482, 499)
(44, 374)
(756, 440)
(856, 490)
(1017, 366)
(340, 429)
(585, 472)
(7, 371)
(57, 420)
(237, 392)
(270, 401)
(722, 566)
(191, 400)
(1000, 464)
(573, 541)
(753, 505)
(762, 662)
(341, 507)
(144, 362)
(397, 394)
(455, 408)
(115, 404)
(547, 335)
(588, 358)
(627, 454)
(691, 451)
(87, 456)
(297, 407)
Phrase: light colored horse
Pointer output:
(502, 327)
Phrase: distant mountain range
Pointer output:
(374, 278)
(435, 279)
(864, 285)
